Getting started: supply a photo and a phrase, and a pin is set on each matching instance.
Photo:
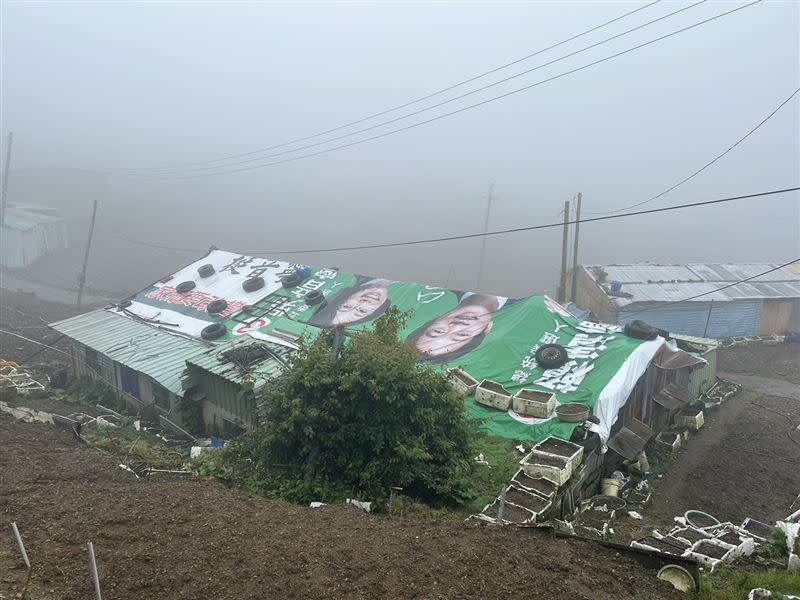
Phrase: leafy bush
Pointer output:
(373, 418)
(87, 390)
(776, 546)
(8, 393)
(192, 416)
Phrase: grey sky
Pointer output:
(106, 86)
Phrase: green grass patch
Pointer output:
(729, 585)
(503, 461)
(139, 447)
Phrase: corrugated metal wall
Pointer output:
(20, 248)
(702, 379)
(227, 396)
(738, 317)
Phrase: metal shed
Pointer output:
(134, 357)
(215, 379)
(726, 305)
(29, 233)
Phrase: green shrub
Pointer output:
(8, 393)
(355, 426)
(87, 390)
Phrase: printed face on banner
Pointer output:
(490, 337)
(458, 329)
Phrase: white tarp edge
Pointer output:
(616, 392)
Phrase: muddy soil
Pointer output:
(743, 463)
(28, 316)
(780, 361)
(198, 539)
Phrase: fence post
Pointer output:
(93, 566)
(21, 545)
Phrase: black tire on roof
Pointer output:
(216, 306)
(252, 284)
(206, 271)
(213, 331)
(292, 280)
(551, 356)
(314, 297)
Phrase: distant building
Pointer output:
(28, 233)
(769, 304)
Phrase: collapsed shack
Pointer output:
(193, 349)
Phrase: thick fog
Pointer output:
(95, 91)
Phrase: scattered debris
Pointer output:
(27, 415)
(765, 594)
(481, 460)
(679, 577)
(365, 506)
(749, 340)
(792, 533)
(720, 391)
(17, 377)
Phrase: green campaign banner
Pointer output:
(491, 337)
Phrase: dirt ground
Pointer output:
(198, 539)
(781, 361)
(744, 461)
(28, 316)
(56, 406)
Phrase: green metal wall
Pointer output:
(704, 378)
(226, 395)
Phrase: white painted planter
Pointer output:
(661, 442)
(692, 421)
(547, 489)
(533, 466)
(534, 403)
(745, 545)
(462, 382)
(696, 552)
(572, 452)
(529, 514)
(490, 393)
(689, 534)
(531, 501)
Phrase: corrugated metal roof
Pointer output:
(212, 360)
(137, 345)
(669, 283)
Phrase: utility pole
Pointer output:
(338, 338)
(573, 295)
(5, 179)
(82, 278)
(562, 286)
(483, 239)
(708, 319)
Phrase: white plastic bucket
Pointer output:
(609, 487)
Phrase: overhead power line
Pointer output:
(468, 107)
(433, 106)
(490, 233)
(705, 166)
(399, 106)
